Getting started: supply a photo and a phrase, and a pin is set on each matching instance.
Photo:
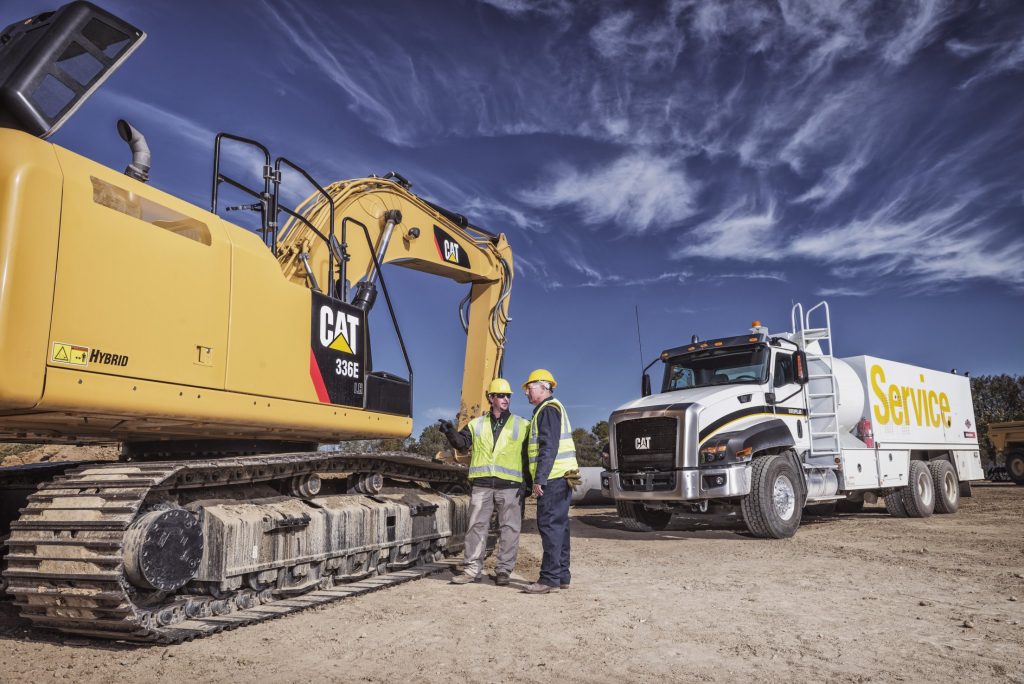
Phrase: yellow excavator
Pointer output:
(220, 358)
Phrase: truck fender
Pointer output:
(772, 435)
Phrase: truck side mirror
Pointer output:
(800, 367)
(645, 386)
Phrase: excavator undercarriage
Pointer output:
(169, 551)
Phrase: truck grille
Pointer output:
(646, 443)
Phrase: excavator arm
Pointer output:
(379, 221)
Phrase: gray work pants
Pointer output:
(483, 501)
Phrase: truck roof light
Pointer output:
(718, 344)
(664, 356)
(755, 324)
(751, 339)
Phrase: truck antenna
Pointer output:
(639, 341)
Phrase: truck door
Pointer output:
(789, 396)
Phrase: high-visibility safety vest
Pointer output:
(565, 459)
(503, 459)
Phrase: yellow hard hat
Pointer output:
(499, 386)
(540, 374)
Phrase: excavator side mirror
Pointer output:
(51, 63)
(645, 385)
(800, 367)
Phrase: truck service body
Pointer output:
(838, 430)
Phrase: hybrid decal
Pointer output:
(107, 359)
(449, 249)
(337, 354)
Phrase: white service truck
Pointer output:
(773, 422)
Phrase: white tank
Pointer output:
(850, 394)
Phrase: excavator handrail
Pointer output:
(266, 227)
(278, 208)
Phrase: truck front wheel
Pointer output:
(637, 518)
(1015, 466)
(773, 510)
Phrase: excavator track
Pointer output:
(66, 560)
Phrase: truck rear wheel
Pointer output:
(1015, 466)
(637, 518)
(894, 503)
(772, 510)
(947, 486)
(919, 494)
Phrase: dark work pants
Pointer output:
(553, 525)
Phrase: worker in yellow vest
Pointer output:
(552, 455)
(497, 441)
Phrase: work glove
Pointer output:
(574, 479)
(446, 428)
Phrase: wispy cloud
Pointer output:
(843, 292)
(939, 248)
(638, 193)
(522, 7)
(918, 30)
(736, 233)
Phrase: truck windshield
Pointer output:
(735, 365)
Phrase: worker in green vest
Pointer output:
(497, 442)
(552, 456)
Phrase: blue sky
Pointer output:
(708, 162)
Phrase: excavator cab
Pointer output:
(52, 62)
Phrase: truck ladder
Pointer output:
(820, 393)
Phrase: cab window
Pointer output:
(784, 373)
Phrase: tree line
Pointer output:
(997, 399)
(589, 443)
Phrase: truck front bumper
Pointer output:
(685, 484)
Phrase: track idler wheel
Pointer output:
(163, 549)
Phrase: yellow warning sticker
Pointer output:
(70, 353)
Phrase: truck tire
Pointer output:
(636, 518)
(1015, 466)
(850, 505)
(772, 510)
(965, 490)
(894, 503)
(947, 486)
(919, 494)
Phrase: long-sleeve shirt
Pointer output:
(549, 433)
(463, 440)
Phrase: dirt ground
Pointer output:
(852, 598)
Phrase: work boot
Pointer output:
(564, 585)
(501, 579)
(538, 588)
(465, 578)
